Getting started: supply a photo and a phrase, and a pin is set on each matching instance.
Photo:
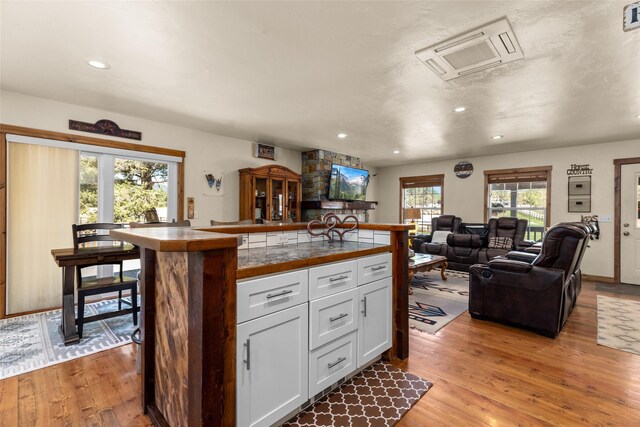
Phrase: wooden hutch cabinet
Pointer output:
(271, 193)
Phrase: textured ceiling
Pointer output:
(294, 74)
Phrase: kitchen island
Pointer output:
(199, 291)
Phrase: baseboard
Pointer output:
(594, 278)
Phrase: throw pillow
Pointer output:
(439, 236)
(505, 243)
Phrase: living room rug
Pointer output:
(619, 324)
(378, 396)
(33, 342)
(436, 302)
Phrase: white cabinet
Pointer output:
(374, 326)
(272, 366)
(331, 362)
(331, 317)
(374, 268)
(266, 295)
(332, 278)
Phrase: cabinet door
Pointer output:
(276, 201)
(272, 366)
(374, 332)
(293, 210)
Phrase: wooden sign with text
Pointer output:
(105, 127)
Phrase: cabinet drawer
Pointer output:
(332, 278)
(332, 317)
(258, 297)
(374, 268)
(332, 362)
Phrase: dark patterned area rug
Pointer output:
(436, 302)
(378, 396)
(32, 341)
(619, 324)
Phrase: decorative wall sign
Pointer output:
(463, 169)
(105, 127)
(214, 183)
(580, 170)
(265, 152)
(631, 17)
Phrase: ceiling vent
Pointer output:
(485, 47)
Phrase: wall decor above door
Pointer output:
(105, 127)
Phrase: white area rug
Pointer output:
(33, 342)
(436, 302)
(619, 324)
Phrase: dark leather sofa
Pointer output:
(422, 242)
(538, 295)
(470, 245)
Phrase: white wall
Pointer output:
(464, 197)
(204, 151)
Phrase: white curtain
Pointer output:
(42, 205)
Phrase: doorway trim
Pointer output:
(617, 211)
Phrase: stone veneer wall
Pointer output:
(316, 171)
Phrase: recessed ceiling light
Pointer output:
(497, 137)
(460, 109)
(638, 116)
(342, 135)
(396, 151)
(98, 64)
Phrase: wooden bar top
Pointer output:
(177, 239)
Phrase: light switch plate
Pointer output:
(604, 218)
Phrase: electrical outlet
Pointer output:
(283, 238)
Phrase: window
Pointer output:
(421, 200)
(123, 189)
(522, 193)
(137, 190)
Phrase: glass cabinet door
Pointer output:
(277, 200)
(260, 206)
(292, 201)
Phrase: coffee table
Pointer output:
(425, 263)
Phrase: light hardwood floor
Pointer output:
(483, 374)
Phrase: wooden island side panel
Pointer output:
(171, 339)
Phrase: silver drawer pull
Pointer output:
(279, 294)
(338, 317)
(364, 309)
(337, 362)
(381, 267)
(335, 279)
(248, 360)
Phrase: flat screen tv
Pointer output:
(347, 183)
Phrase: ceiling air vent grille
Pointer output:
(486, 47)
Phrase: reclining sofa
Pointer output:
(474, 243)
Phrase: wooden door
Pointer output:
(630, 224)
(272, 366)
(374, 330)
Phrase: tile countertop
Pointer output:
(259, 261)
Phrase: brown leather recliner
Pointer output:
(539, 295)
(450, 223)
(512, 228)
